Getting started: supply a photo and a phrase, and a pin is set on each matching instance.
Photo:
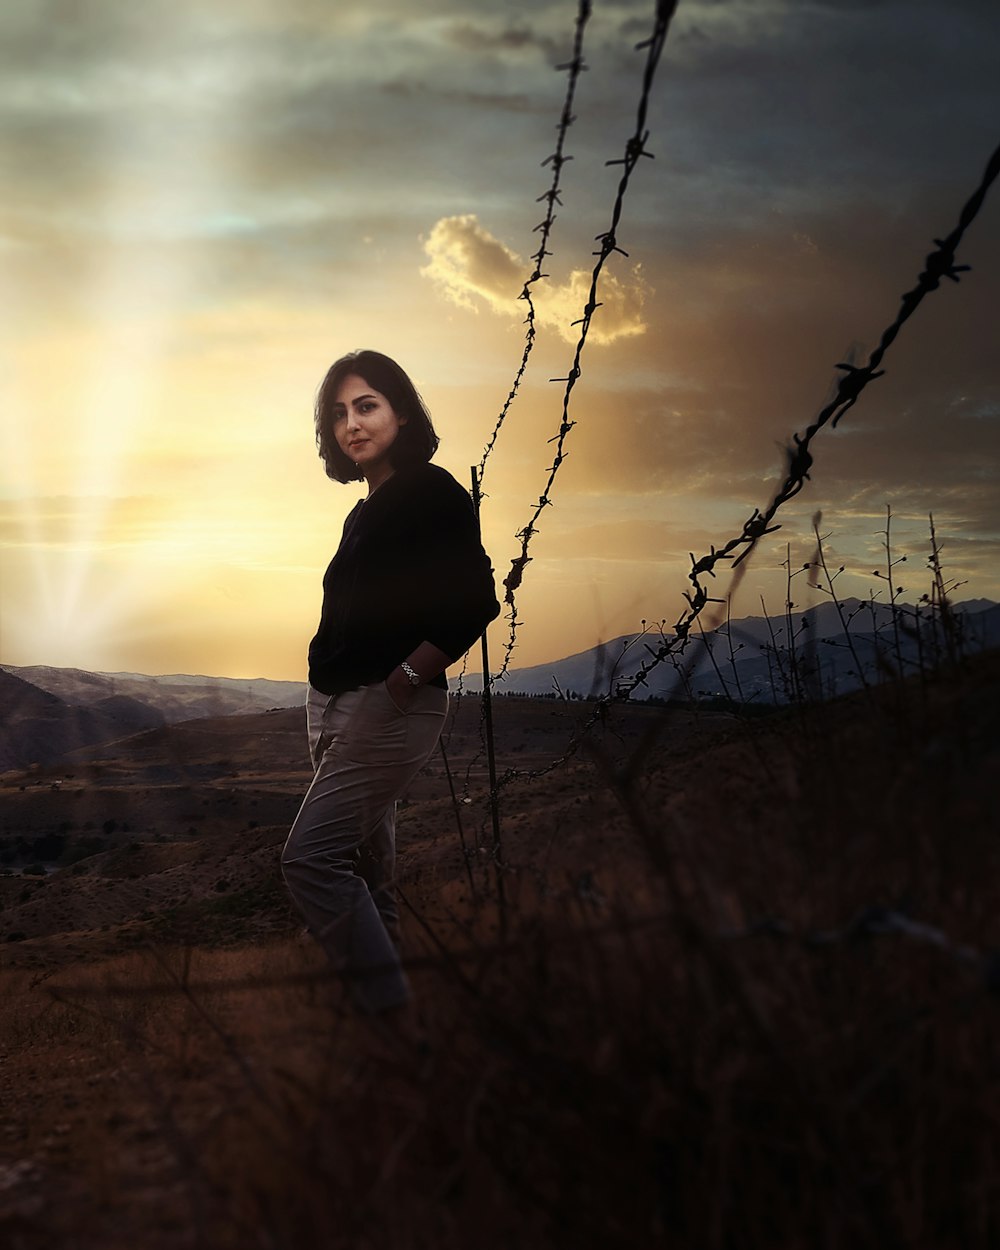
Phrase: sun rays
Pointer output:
(74, 439)
(204, 205)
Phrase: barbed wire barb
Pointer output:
(849, 389)
(937, 265)
(634, 148)
(557, 159)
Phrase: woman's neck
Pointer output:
(378, 476)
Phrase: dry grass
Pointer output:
(639, 1062)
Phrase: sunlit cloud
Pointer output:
(471, 266)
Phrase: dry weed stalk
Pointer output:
(692, 1047)
(938, 265)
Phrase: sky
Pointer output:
(205, 205)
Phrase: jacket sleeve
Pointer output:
(452, 569)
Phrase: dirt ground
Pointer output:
(170, 1040)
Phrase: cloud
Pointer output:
(499, 38)
(244, 185)
(416, 89)
(471, 265)
(747, 327)
(467, 260)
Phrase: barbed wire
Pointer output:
(938, 265)
(575, 67)
(635, 149)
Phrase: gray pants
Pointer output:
(340, 858)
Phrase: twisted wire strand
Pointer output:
(938, 265)
(575, 66)
(635, 149)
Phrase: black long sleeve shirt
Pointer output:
(410, 569)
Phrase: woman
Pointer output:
(407, 593)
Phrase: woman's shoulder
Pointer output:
(430, 483)
(429, 475)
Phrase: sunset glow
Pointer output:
(207, 204)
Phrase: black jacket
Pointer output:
(410, 568)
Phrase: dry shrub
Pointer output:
(738, 1065)
(706, 1041)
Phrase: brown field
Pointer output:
(739, 993)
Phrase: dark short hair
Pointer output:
(416, 441)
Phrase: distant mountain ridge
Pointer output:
(177, 696)
(37, 726)
(759, 650)
(46, 712)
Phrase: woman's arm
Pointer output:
(441, 584)
(456, 580)
(427, 661)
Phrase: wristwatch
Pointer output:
(412, 676)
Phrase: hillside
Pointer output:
(177, 696)
(49, 712)
(37, 726)
(134, 830)
(820, 653)
(734, 961)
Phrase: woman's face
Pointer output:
(365, 426)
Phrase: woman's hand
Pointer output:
(427, 661)
(399, 689)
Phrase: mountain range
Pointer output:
(836, 647)
(46, 712)
(823, 651)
